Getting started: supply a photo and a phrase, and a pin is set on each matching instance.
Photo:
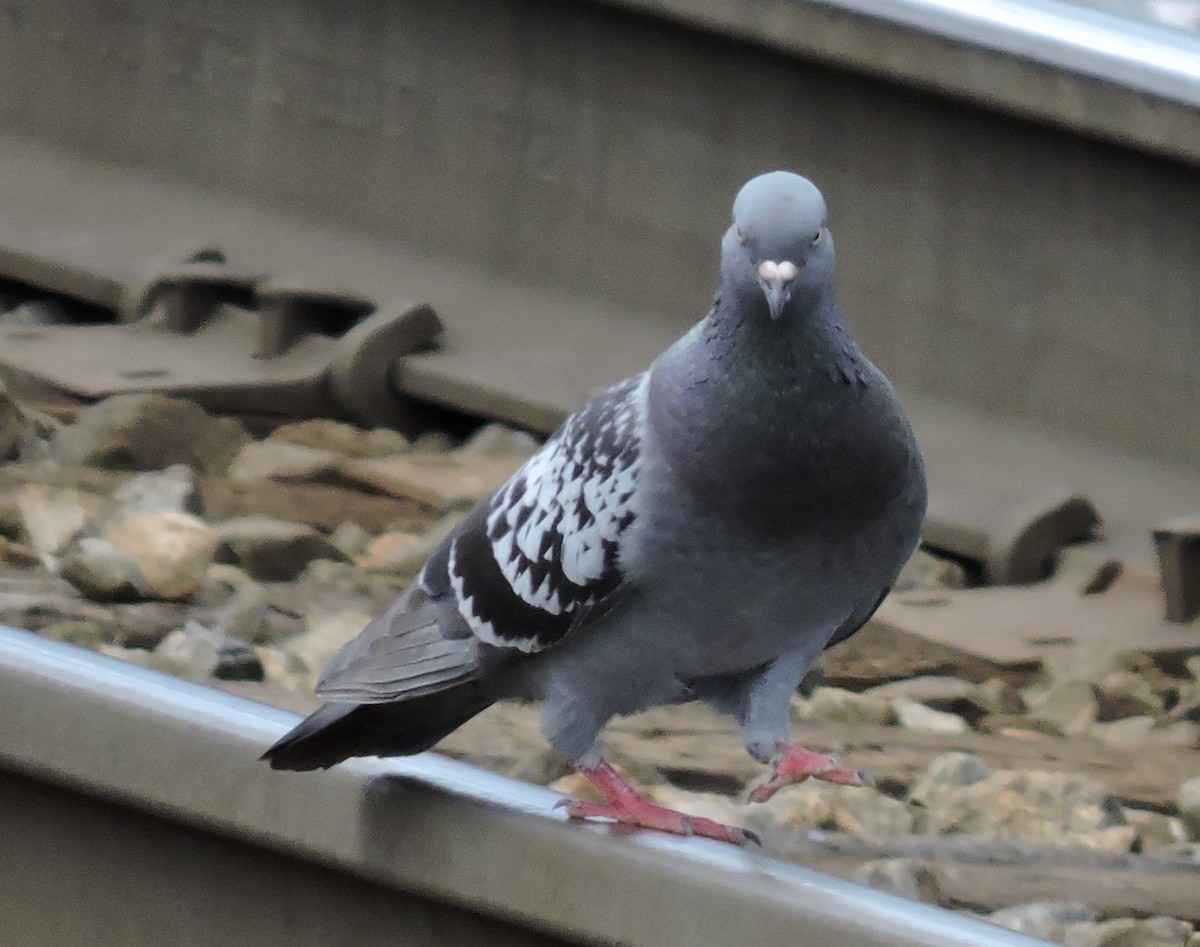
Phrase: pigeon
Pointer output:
(702, 531)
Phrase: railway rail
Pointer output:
(144, 800)
(467, 206)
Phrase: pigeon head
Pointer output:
(778, 249)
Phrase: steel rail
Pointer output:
(426, 827)
(1142, 56)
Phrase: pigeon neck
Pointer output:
(748, 414)
(808, 345)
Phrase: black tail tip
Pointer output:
(316, 742)
(286, 755)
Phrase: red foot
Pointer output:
(794, 764)
(629, 807)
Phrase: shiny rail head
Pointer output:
(1141, 56)
(424, 824)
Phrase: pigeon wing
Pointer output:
(537, 559)
(542, 556)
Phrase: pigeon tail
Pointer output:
(337, 731)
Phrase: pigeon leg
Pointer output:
(794, 764)
(629, 807)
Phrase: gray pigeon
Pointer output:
(701, 531)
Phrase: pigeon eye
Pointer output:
(738, 235)
(817, 239)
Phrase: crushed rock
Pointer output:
(339, 437)
(905, 877)
(149, 432)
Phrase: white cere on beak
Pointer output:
(770, 271)
(776, 282)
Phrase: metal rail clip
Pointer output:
(234, 341)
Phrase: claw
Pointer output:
(629, 807)
(795, 764)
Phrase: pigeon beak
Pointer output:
(776, 282)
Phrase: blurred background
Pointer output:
(285, 287)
